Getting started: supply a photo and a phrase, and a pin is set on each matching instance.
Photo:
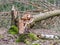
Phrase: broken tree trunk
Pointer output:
(13, 15)
(41, 16)
(45, 15)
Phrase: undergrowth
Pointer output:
(26, 38)
(13, 30)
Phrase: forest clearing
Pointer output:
(29, 22)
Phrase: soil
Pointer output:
(8, 39)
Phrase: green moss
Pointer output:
(21, 38)
(35, 44)
(17, 40)
(27, 38)
(13, 30)
(27, 41)
(33, 36)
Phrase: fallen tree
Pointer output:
(45, 15)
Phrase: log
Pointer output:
(45, 15)
(40, 16)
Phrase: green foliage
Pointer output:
(18, 40)
(51, 1)
(27, 41)
(22, 8)
(5, 7)
(21, 38)
(13, 30)
(33, 36)
(18, 5)
(36, 44)
(24, 37)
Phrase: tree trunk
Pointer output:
(41, 16)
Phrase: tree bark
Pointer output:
(45, 15)
(41, 16)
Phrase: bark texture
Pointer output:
(45, 15)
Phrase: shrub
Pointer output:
(13, 30)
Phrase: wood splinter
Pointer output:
(23, 22)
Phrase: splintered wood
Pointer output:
(22, 22)
(22, 25)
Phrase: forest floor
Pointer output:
(49, 26)
(8, 39)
